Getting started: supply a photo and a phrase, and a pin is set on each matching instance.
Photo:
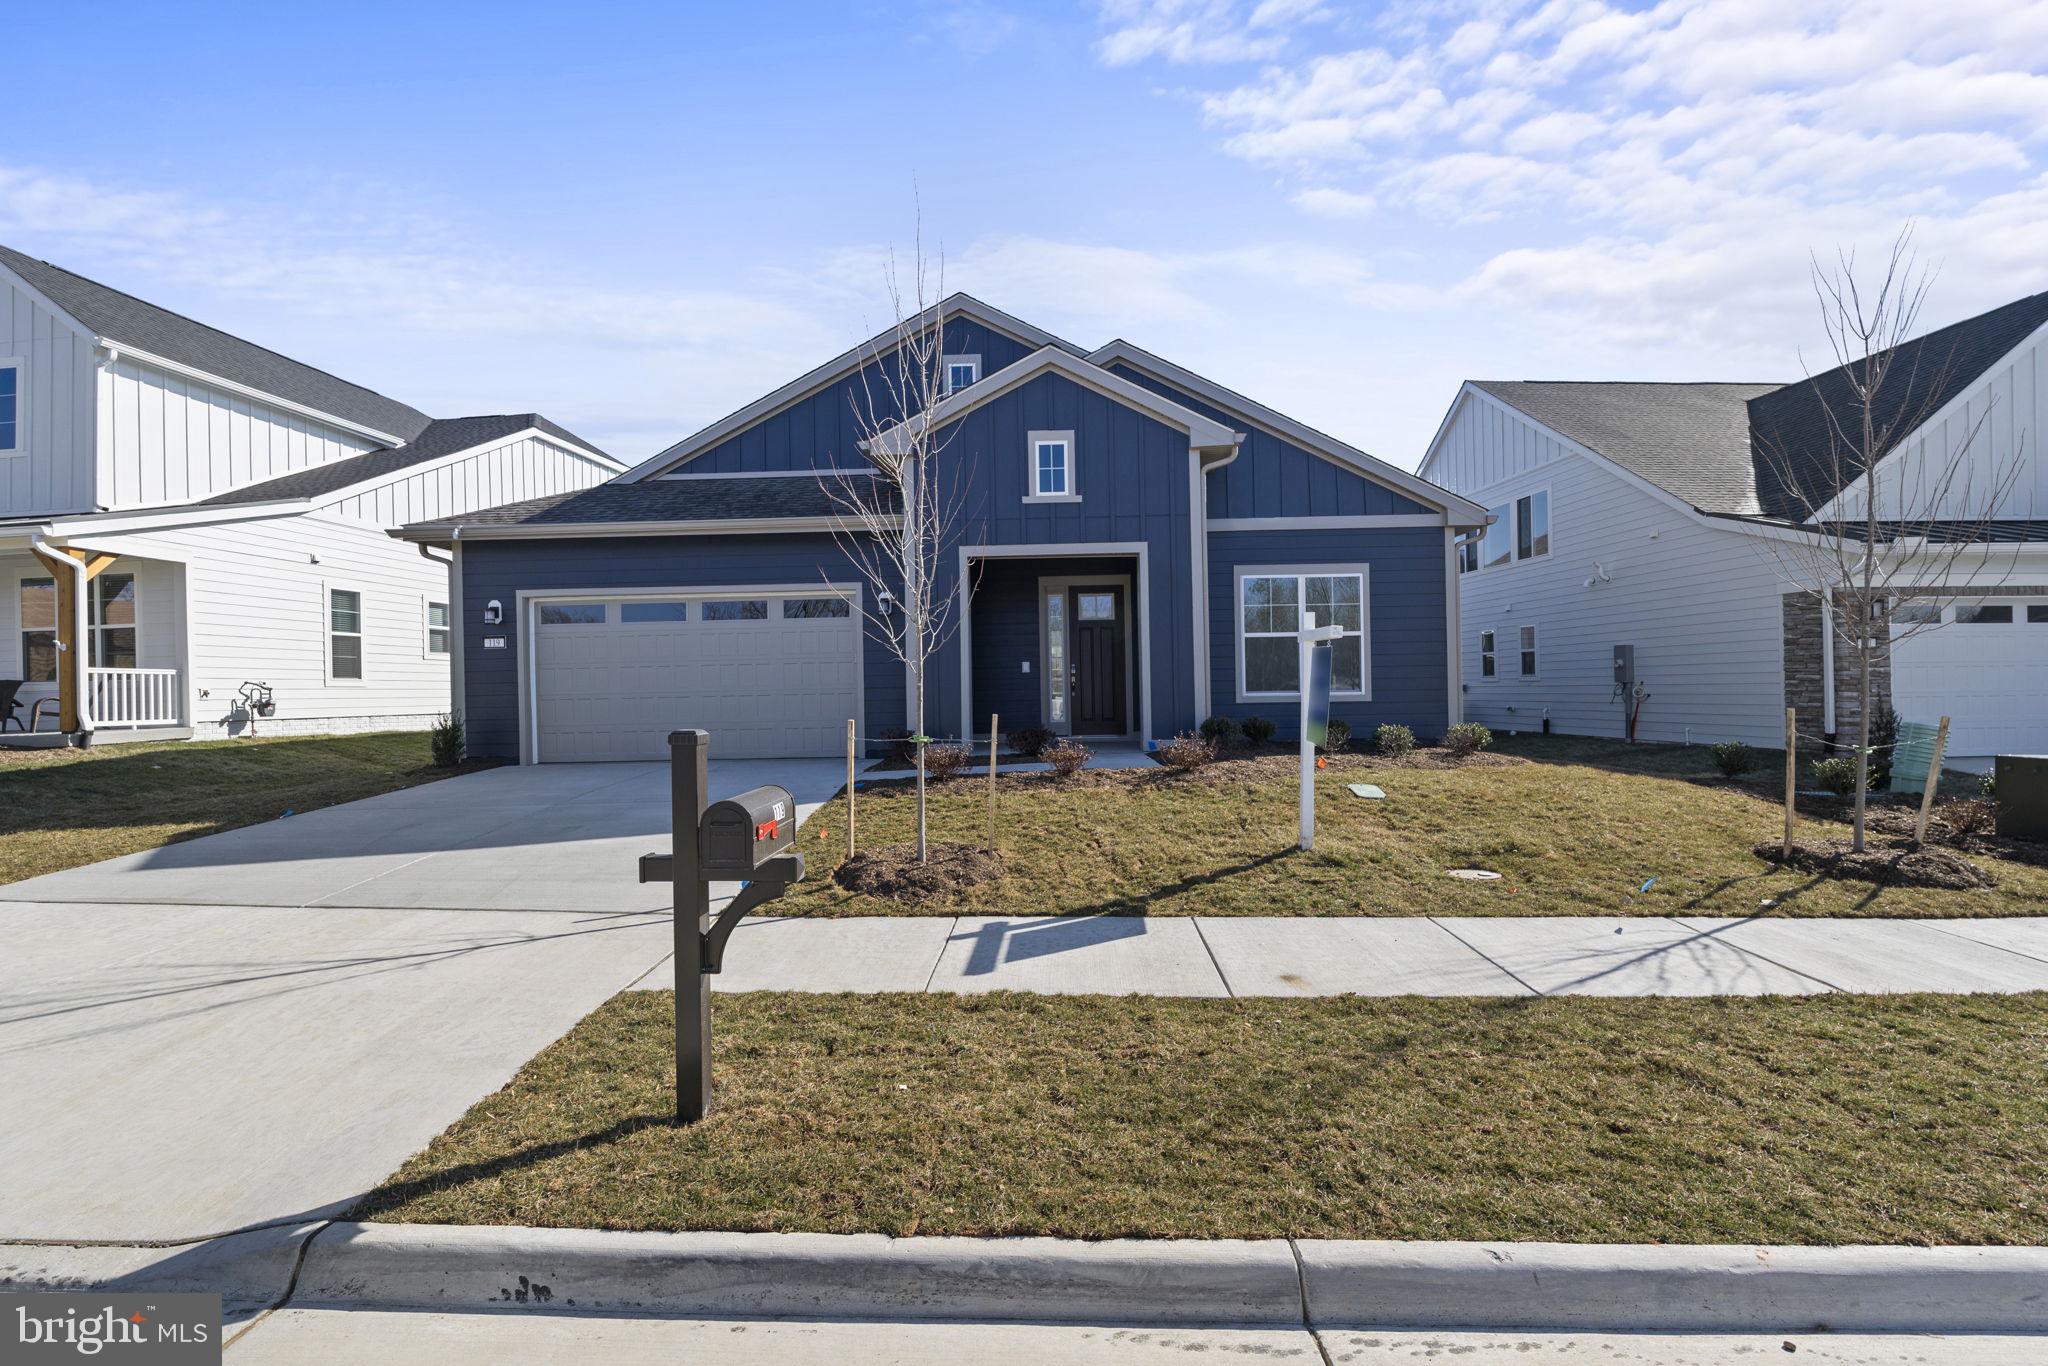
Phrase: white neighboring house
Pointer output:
(206, 513)
(1657, 516)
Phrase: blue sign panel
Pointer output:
(1316, 727)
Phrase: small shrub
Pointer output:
(1392, 740)
(1987, 783)
(1884, 739)
(1339, 738)
(1836, 774)
(946, 761)
(1466, 739)
(1973, 817)
(1220, 730)
(1257, 729)
(1067, 757)
(899, 752)
(1734, 758)
(1031, 740)
(448, 742)
(1187, 752)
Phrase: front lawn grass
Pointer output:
(1577, 830)
(60, 808)
(1908, 1119)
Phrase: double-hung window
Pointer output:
(1532, 525)
(344, 635)
(1487, 667)
(13, 440)
(1051, 473)
(961, 372)
(1528, 644)
(437, 628)
(1270, 607)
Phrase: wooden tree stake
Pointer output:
(849, 787)
(995, 744)
(1933, 777)
(1791, 773)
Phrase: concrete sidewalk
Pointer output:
(1422, 956)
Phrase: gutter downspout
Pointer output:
(80, 587)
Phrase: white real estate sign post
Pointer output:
(1314, 643)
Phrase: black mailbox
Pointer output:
(741, 833)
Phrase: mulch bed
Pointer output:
(892, 871)
(1893, 864)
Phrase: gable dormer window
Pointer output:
(1051, 474)
(961, 371)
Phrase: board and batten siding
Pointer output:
(169, 439)
(258, 613)
(1990, 435)
(56, 404)
(1700, 604)
(511, 472)
(823, 430)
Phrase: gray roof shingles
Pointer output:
(442, 436)
(723, 499)
(118, 317)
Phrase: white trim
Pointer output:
(328, 588)
(1140, 550)
(1203, 433)
(1366, 522)
(427, 629)
(438, 532)
(845, 363)
(1070, 483)
(820, 473)
(1287, 429)
(153, 519)
(525, 600)
(46, 303)
(120, 351)
(19, 365)
(1361, 572)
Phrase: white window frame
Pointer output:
(946, 364)
(427, 629)
(1549, 527)
(1534, 650)
(328, 633)
(22, 628)
(96, 625)
(19, 365)
(1361, 572)
(1489, 655)
(1071, 467)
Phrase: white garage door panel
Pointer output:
(768, 688)
(1989, 678)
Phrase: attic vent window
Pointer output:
(961, 372)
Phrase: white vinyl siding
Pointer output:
(1702, 606)
(169, 439)
(511, 472)
(51, 467)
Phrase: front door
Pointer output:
(1097, 682)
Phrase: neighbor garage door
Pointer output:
(769, 675)
(1985, 666)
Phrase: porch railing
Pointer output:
(133, 697)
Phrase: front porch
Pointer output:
(134, 685)
(1056, 641)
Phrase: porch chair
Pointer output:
(10, 704)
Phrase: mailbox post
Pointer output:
(749, 839)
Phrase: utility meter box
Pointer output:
(1624, 666)
(2022, 796)
(741, 833)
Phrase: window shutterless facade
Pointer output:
(110, 625)
(961, 372)
(344, 635)
(1050, 475)
(1270, 605)
(13, 408)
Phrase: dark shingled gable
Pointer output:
(118, 317)
(736, 498)
(442, 436)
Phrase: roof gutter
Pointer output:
(446, 533)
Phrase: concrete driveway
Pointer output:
(258, 1026)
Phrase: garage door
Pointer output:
(769, 675)
(1985, 666)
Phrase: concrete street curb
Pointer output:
(1634, 1288)
(810, 1275)
(1470, 1286)
(248, 1270)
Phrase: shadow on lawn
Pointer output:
(395, 1194)
(1138, 904)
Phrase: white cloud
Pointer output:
(1325, 202)
(1195, 31)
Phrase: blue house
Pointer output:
(1131, 549)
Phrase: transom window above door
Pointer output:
(1271, 604)
(1095, 606)
(1051, 475)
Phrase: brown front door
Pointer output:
(1097, 681)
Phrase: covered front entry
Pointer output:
(1984, 666)
(771, 673)
(1056, 642)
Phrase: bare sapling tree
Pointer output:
(897, 517)
(1896, 514)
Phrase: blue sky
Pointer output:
(636, 218)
